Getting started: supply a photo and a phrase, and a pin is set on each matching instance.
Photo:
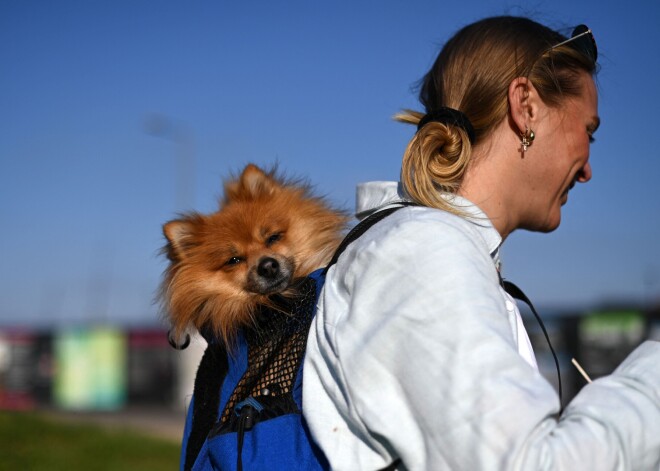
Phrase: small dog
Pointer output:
(267, 233)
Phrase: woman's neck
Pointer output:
(490, 181)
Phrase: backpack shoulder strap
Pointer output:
(362, 227)
(208, 382)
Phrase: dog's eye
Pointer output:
(233, 261)
(273, 238)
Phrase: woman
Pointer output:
(418, 359)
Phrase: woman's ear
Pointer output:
(523, 103)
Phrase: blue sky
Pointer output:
(86, 181)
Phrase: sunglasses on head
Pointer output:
(582, 40)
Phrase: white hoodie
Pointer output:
(416, 353)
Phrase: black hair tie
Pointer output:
(451, 116)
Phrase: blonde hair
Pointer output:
(472, 74)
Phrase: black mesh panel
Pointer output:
(276, 347)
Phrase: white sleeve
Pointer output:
(412, 356)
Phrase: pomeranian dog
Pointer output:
(267, 233)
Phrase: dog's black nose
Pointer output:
(268, 268)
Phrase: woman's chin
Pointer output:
(549, 224)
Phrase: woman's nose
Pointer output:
(584, 175)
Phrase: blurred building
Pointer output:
(95, 369)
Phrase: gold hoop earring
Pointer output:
(526, 138)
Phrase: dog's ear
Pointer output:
(252, 183)
(180, 235)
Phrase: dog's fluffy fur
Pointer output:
(267, 233)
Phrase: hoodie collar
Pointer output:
(373, 196)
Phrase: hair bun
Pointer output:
(449, 116)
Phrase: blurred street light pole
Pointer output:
(159, 125)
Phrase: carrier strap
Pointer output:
(362, 227)
(210, 376)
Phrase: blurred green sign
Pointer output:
(90, 369)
